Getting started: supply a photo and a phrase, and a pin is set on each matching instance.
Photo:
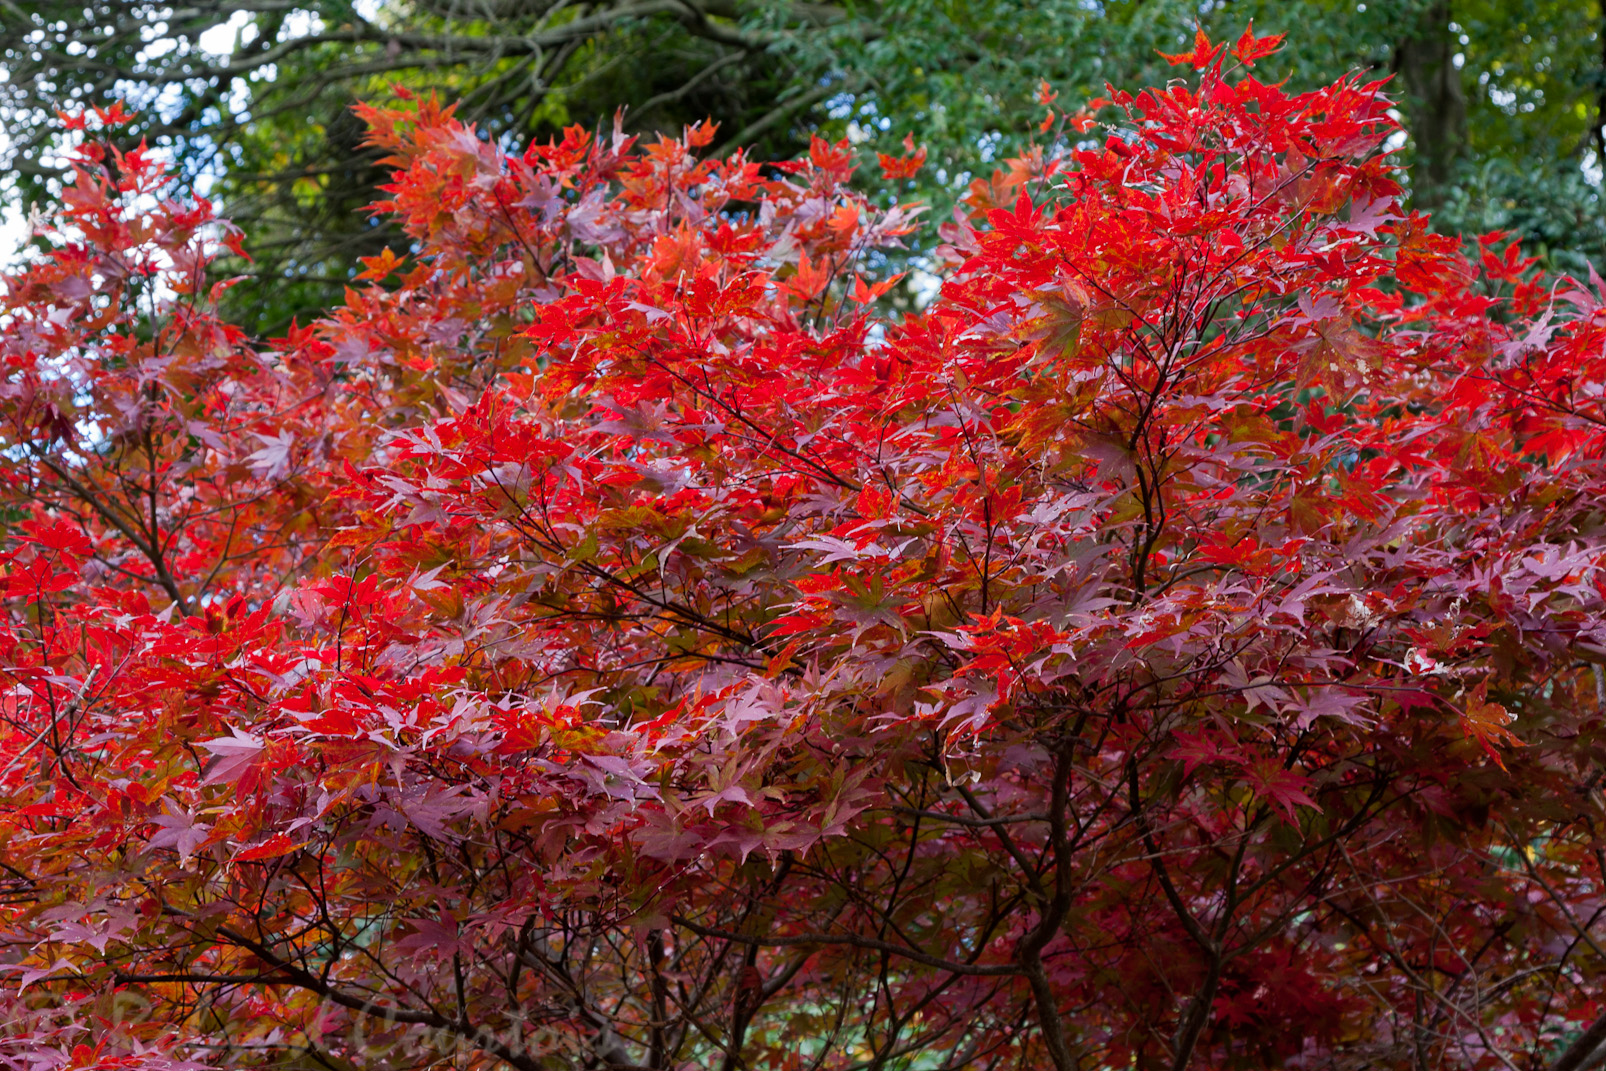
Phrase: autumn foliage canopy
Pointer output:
(619, 638)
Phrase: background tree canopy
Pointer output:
(1502, 98)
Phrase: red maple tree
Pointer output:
(612, 640)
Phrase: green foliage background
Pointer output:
(1502, 98)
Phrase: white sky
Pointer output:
(219, 42)
(13, 218)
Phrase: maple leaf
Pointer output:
(379, 267)
(273, 459)
(178, 828)
(1283, 789)
(809, 279)
(906, 166)
(1202, 55)
(232, 756)
(59, 536)
(701, 134)
(865, 294)
(1488, 722)
(1339, 355)
(1059, 326)
(1198, 749)
(271, 848)
(1250, 48)
(440, 938)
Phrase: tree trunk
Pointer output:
(1585, 1048)
(1600, 119)
(1435, 103)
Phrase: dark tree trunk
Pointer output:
(1600, 90)
(1435, 103)
(1585, 1048)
